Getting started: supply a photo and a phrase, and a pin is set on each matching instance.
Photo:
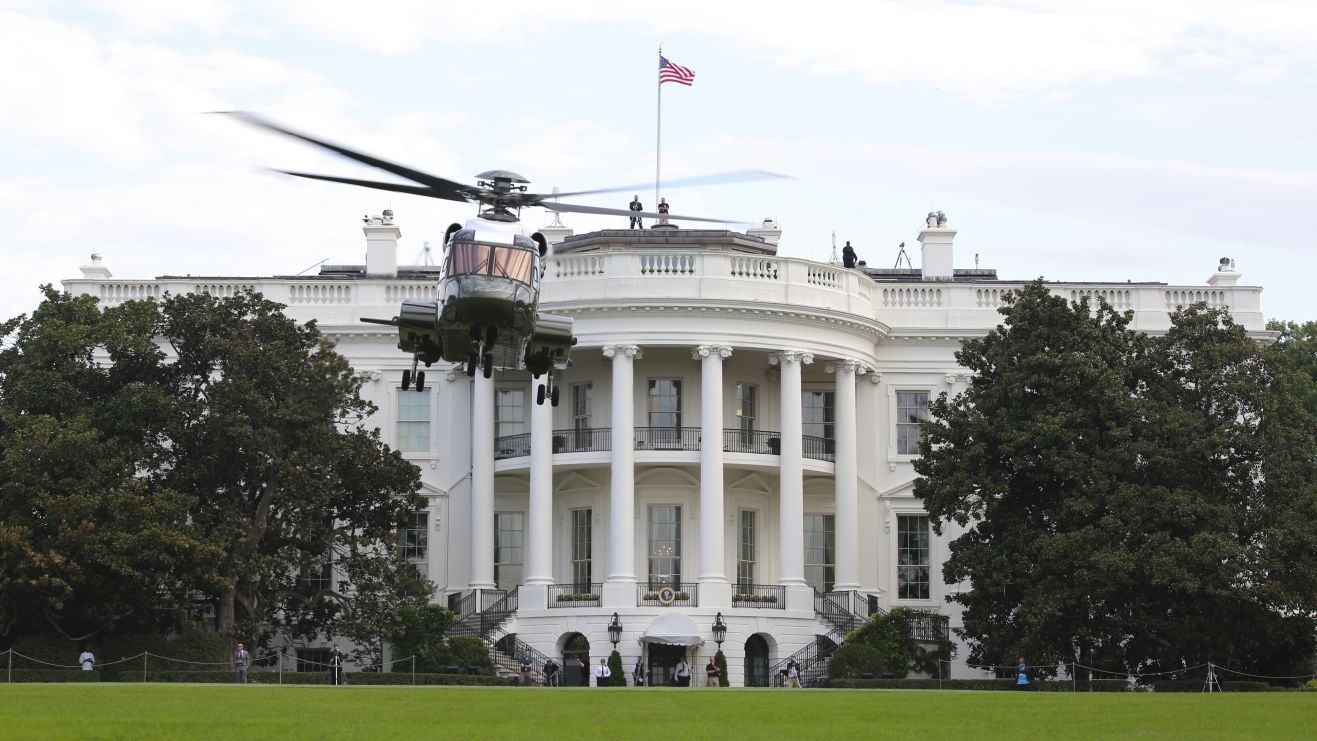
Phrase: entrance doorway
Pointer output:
(756, 662)
(576, 674)
(662, 665)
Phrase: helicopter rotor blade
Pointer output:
(441, 187)
(418, 190)
(738, 176)
(574, 209)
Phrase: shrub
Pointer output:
(854, 660)
(470, 652)
(618, 679)
(721, 661)
(54, 675)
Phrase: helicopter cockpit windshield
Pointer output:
(469, 256)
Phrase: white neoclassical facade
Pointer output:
(733, 442)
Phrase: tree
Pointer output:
(88, 545)
(237, 466)
(617, 677)
(1296, 346)
(1128, 502)
(720, 660)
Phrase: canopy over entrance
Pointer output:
(673, 629)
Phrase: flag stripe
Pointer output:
(669, 72)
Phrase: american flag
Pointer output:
(669, 72)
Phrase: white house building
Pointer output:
(733, 443)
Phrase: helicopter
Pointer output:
(486, 312)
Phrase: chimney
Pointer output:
(381, 245)
(1225, 274)
(936, 240)
(95, 270)
(769, 231)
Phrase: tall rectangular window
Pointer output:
(509, 412)
(509, 548)
(317, 577)
(664, 545)
(413, 421)
(819, 414)
(414, 540)
(664, 402)
(582, 573)
(582, 406)
(912, 557)
(747, 411)
(746, 548)
(821, 551)
(911, 410)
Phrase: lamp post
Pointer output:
(615, 631)
(719, 630)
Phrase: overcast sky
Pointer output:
(1098, 140)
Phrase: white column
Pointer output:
(712, 565)
(846, 482)
(791, 475)
(482, 483)
(539, 540)
(619, 590)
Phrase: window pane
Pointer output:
(509, 547)
(513, 263)
(912, 557)
(510, 412)
(414, 540)
(664, 402)
(820, 551)
(818, 413)
(911, 410)
(664, 545)
(747, 549)
(413, 434)
(581, 550)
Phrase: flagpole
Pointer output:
(658, 137)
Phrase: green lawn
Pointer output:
(171, 711)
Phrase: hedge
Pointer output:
(53, 675)
(1060, 685)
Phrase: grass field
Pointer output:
(170, 711)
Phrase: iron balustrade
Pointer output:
(818, 448)
(585, 440)
(575, 595)
(667, 438)
(512, 446)
(763, 442)
(762, 596)
(927, 626)
(600, 440)
(685, 594)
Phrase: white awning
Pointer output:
(673, 629)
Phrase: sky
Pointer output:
(1080, 140)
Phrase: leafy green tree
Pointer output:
(1296, 345)
(420, 632)
(720, 661)
(1127, 502)
(234, 465)
(88, 545)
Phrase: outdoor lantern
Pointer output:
(615, 631)
(719, 630)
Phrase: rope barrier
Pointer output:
(1261, 676)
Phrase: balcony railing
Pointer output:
(685, 594)
(600, 440)
(574, 595)
(667, 438)
(763, 596)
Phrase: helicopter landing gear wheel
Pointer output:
(539, 395)
(471, 361)
(554, 396)
(406, 380)
(487, 365)
(420, 380)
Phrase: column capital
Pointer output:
(791, 356)
(704, 351)
(630, 351)
(875, 377)
(846, 366)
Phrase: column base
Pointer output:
(800, 597)
(533, 597)
(618, 594)
(716, 594)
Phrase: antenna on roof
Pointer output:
(833, 260)
(557, 216)
(901, 255)
(426, 257)
(313, 265)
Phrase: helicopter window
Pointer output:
(514, 263)
(468, 259)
